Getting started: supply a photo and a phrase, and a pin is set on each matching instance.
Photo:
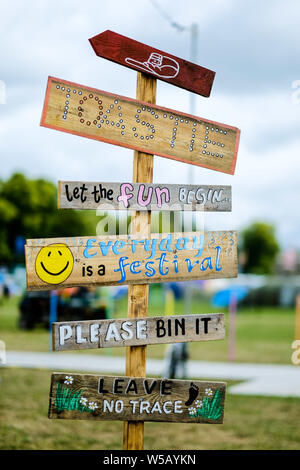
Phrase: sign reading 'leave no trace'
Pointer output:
(145, 127)
(123, 259)
(76, 396)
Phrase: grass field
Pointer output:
(263, 335)
(249, 423)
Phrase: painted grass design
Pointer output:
(67, 399)
(209, 408)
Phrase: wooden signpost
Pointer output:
(123, 259)
(93, 334)
(140, 258)
(139, 125)
(143, 196)
(151, 61)
(76, 396)
(138, 295)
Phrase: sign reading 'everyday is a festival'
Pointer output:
(159, 64)
(141, 126)
(143, 196)
(76, 396)
(123, 259)
(136, 332)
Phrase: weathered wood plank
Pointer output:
(94, 397)
(143, 196)
(124, 259)
(139, 125)
(159, 64)
(93, 334)
(138, 294)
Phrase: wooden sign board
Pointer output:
(142, 196)
(76, 396)
(141, 126)
(137, 332)
(159, 64)
(124, 259)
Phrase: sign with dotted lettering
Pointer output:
(94, 397)
(118, 120)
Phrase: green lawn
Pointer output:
(249, 423)
(263, 335)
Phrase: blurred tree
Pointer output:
(259, 247)
(28, 209)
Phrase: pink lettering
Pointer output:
(159, 192)
(140, 199)
(124, 197)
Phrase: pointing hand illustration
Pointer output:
(159, 65)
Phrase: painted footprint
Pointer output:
(193, 393)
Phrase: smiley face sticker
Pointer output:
(54, 263)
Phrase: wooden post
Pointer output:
(133, 434)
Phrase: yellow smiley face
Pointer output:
(54, 263)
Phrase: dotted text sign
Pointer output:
(133, 124)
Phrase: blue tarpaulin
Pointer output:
(222, 298)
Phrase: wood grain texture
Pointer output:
(159, 64)
(143, 196)
(139, 125)
(124, 259)
(94, 397)
(94, 334)
(138, 295)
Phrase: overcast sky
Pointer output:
(253, 46)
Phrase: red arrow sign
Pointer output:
(159, 64)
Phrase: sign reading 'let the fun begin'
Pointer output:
(143, 196)
(123, 259)
(145, 127)
(76, 396)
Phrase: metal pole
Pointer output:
(193, 57)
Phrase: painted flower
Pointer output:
(198, 403)
(68, 379)
(92, 405)
(208, 392)
(83, 401)
(192, 411)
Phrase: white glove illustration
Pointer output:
(157, 64)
